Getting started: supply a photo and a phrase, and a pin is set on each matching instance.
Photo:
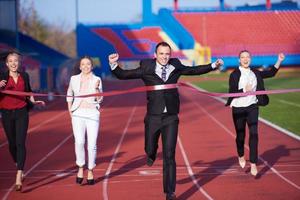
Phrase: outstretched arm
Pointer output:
(201, 69)
(119, 72)
(273, 71)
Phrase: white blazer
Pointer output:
(74, 88)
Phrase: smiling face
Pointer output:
(86, 66)
(163, 54)
(245, 59)
(13, 62)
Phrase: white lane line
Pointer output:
(106, 177)
(39, 162)
(190, 171)
(38, 126)
(282, 130)
(260, 158)
(148, 172)
(289, 103)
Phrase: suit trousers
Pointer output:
(167, 126)
(15, 124)
(241, 117)
(85, 122)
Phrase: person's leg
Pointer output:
(22, 121)
(239, 120)
(169, 141)
(252, 121)
(10, 131)
(92, 134)
(79, 128)
(152, 133)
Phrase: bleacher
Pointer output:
(199, 36)
(261, 32)
(132, 43)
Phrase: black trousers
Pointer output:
(241, 117)
(167, 126)
(15, 124)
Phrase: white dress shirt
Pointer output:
(247, 77)
(158, 70)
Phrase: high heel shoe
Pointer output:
(90, 180)
(18, 187)
(242, 162)
(19, 179)
(253, 169)
(79, 180)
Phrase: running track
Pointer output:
(207, 166)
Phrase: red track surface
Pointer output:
(207, 166)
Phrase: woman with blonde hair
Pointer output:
(245, 109)
(14, 110)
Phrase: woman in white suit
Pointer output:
(85, 116)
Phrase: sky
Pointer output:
(63, 12)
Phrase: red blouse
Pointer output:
(11, 102)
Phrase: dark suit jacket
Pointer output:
(157, 100)
(260, 75)
(25, 76)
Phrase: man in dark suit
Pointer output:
(162, 105)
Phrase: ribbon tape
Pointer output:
(156, 87)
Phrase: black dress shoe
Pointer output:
(79, 180)
(18, 187)
(150, 161)
(90, 181)
(170, 196)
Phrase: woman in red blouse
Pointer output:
(15, 112)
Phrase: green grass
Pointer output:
(283, 109)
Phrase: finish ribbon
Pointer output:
(154, 88)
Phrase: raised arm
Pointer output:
(119, 72)
(272, 72)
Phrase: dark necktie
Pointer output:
(164, 73)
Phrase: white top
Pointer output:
(76, 87)
(247, 77)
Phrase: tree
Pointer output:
(52, 35)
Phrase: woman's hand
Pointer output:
(42, 103)
(281, 57)
(97, 85)
(2, 83)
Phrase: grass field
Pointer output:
(283, 109)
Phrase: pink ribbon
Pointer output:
(156, 87)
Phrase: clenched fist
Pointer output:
(113, 58)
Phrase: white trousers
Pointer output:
(86, 121)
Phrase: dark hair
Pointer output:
(12, 52)
(164, 44)
(244, 51)
(86, 57)
(76, 69)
